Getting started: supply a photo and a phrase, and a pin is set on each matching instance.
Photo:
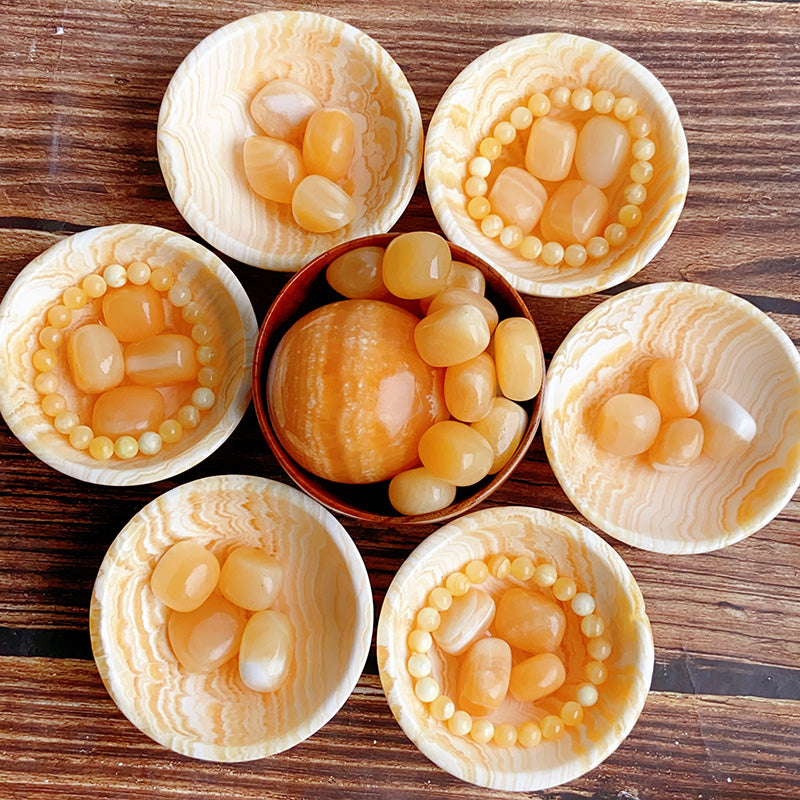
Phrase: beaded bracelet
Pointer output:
(59, 316)
(643, 149)
(482, 731)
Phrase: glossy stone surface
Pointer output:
(162, 359)
(601, 151)
(95, 359)
(348, 395)
(134, 312)
(127, 410)
(575, 212)
(282, 108)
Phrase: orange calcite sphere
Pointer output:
(348, 395)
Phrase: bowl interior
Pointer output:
(205, 119)
(728, 344)
(576, 552)
(326, 596)
(227, 311)
(488, 89)
(308, 290)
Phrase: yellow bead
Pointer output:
(320, 206)
(521, 118)
(504, 132)
(170, 430)
(480, 167)
(50, 338)
(639, 126)
(251, 578)
(575, 255)
(201, 333)
(188, 416)
(66, 421)
(478, 208)
(529, 734)
(677, 446)
(492, 226)
(571, 713)
(460, 723)
(582, 604)
(44, 360)
(490, 148)
(426, 689)
(635, 193)
(457, 583)
(329, 143)
(482, 731)
(419, 665)
(115, 275)
(94, 286)
(419, 491)
(552, 727)
(126, 447)
(179, 295)
(550, 148)
(138, 273)
(630, 215)
(597, 247)
(192, 312)
(161, 279)
(581, 99)
(522, 568)
(560, 96)
(641, 171)
(592, 626)
(603, 101)
(475, 186)
(80, 437)
(599, 648)
(440, 598)
(420, 641)
(428, 619)
(499, 566)
(518, 358)
(615, 234)
(625, 109)
(511, 237)
(442, 708)
(530, 247)
(596, 672)
(505, 735)
(643, 149)
(203, 398)
(150, 443)
(74, 298)
(587, 694)
(518, 198)
(564, 589)
(59, 316)
(552, 254)
(208, 377)
(476, 571)
(539, 104)
(53, 404)
(206, 354)
(101, 448)
(266, 651)
(545, 575)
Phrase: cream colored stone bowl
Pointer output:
(205, 118)
(326, 595)
(40, 285)
(576, 552)
(728, 344)
(486, 92)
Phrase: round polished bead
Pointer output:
(206, 354)
(44, 360)
(59, 316)
(552, 727)
(603, 101)
(505, 735)
(521, 118)
(477, 571)
(581, 99)
(625, 109)
(564, 589)
(530, 247)
(635, 193)
(420, 641)
(419, 665)
(150, 443)
(522, 568)
(188, 416)
(599, 648)
(161, 279)
(575, 255)
(641, 171)
(587, 694)
(552, 253)
(639, 126)
(630, 215)
(539, 104)
(50, 338)
(643, 149)
(101, 448)
(592, 626)
(201, 333)
(428, 619)
(179, 295)
(475, 186)
(54, 404)
(504, 132)
(94, 286)
(529, 734)
(490, 148)
(203, 398)
(482, 731)
(499, 566)
(615, 234)
(208, 377)
(491, 225)
(170, 431)
(426, 689)
(460, 723)
(45, 383)
(457, 583)
(582, 604)
(126, 447)
(74, 298)
(80, 437)
(480, 167)
(596, 671)
(560, 96)
(545, 575)
(479, 207)
(192, 312)
(511, 237)
(139, 273)
(597, 247)
(66, 421)
(571, 713)
(115, 275)
(440, 598)
(442, 708)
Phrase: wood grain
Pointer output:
(81, 82)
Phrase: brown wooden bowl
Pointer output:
(308, 290)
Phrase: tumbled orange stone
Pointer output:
(503, 427)
(530, 621)
(329, 143)
(320, 206)
(251, 578)
(95, 359)
(282, 108)
(273, 168)
(678, 444)
(551, 147)
(672, 388)
(518, 198)
(601, 150)
(349, 396)
(537, 677)
(357, 274)
(575, 213)
(185, 576)
(451, 335)
(127, 410)
(134, 312)
(470, 388)
(416, 264)
(627, 424)
(162, 359)
(483, 676)
(267, 651)
(518, 358)
(457, 296)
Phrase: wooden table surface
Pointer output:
(80, 87)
